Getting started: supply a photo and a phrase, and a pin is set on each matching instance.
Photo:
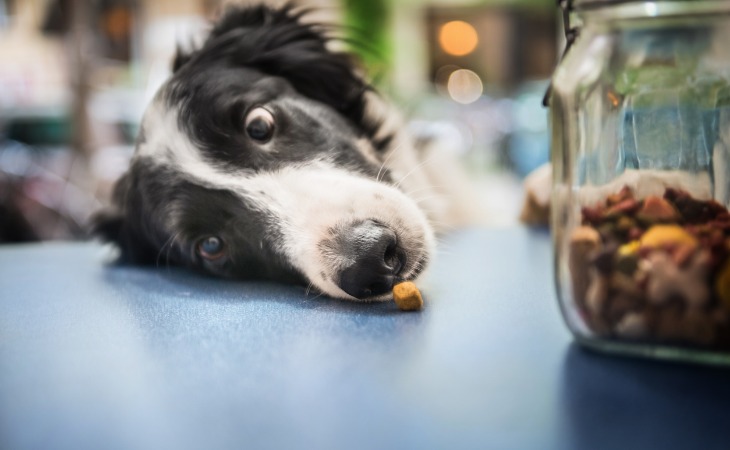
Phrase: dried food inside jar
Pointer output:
(654, 270)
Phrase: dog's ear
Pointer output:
(256, 16)
(114, 225)
(277, 41)
(239, 18)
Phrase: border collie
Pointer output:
(266, 155)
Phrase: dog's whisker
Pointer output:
(423, 188)
(447, 250)
(438, 196)
(385, 161)
(429, 197)
(444, 226)
(443, 243)
(169, 248)
(162, 249)
(413, 170)
(317, 296)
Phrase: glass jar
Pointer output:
(640, 117)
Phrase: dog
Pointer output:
(266, 155)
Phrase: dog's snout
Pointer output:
(376, 259)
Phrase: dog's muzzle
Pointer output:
(375, 259)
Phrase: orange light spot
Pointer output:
(458, 38)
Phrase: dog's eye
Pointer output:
(260, 124)
(211, 248)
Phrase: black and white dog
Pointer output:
(266, 155)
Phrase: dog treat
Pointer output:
(667, 235)
(584, 243)
(536, 204)
(407, 296)
(654, 270)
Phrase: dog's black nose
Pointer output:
(376, 259)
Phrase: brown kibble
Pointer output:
(592, 216)
(624, 194)
(683, 254)
(625, 223)
(603, 261)
(656, 269)
(628, 286)
(407, 296)
(694, 210)
(626, 207)
(584, 243)
(656, 209)
(633, 325)
(668, 281)
(635, 233)
(608, 231)
(627, 264)
(585, 234)
(597, 293)
(595, 303)
(619, 306)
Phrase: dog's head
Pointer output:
(260, 158)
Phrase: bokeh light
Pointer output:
(458, 38)
(441, 78)
(464, 86)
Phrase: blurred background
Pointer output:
(76, 75)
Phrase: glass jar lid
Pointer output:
(599, 3)
(649, 7)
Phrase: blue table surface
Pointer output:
(95, 356)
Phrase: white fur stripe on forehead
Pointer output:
(304, 201)
(166, 144)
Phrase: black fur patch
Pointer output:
(162, 217)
